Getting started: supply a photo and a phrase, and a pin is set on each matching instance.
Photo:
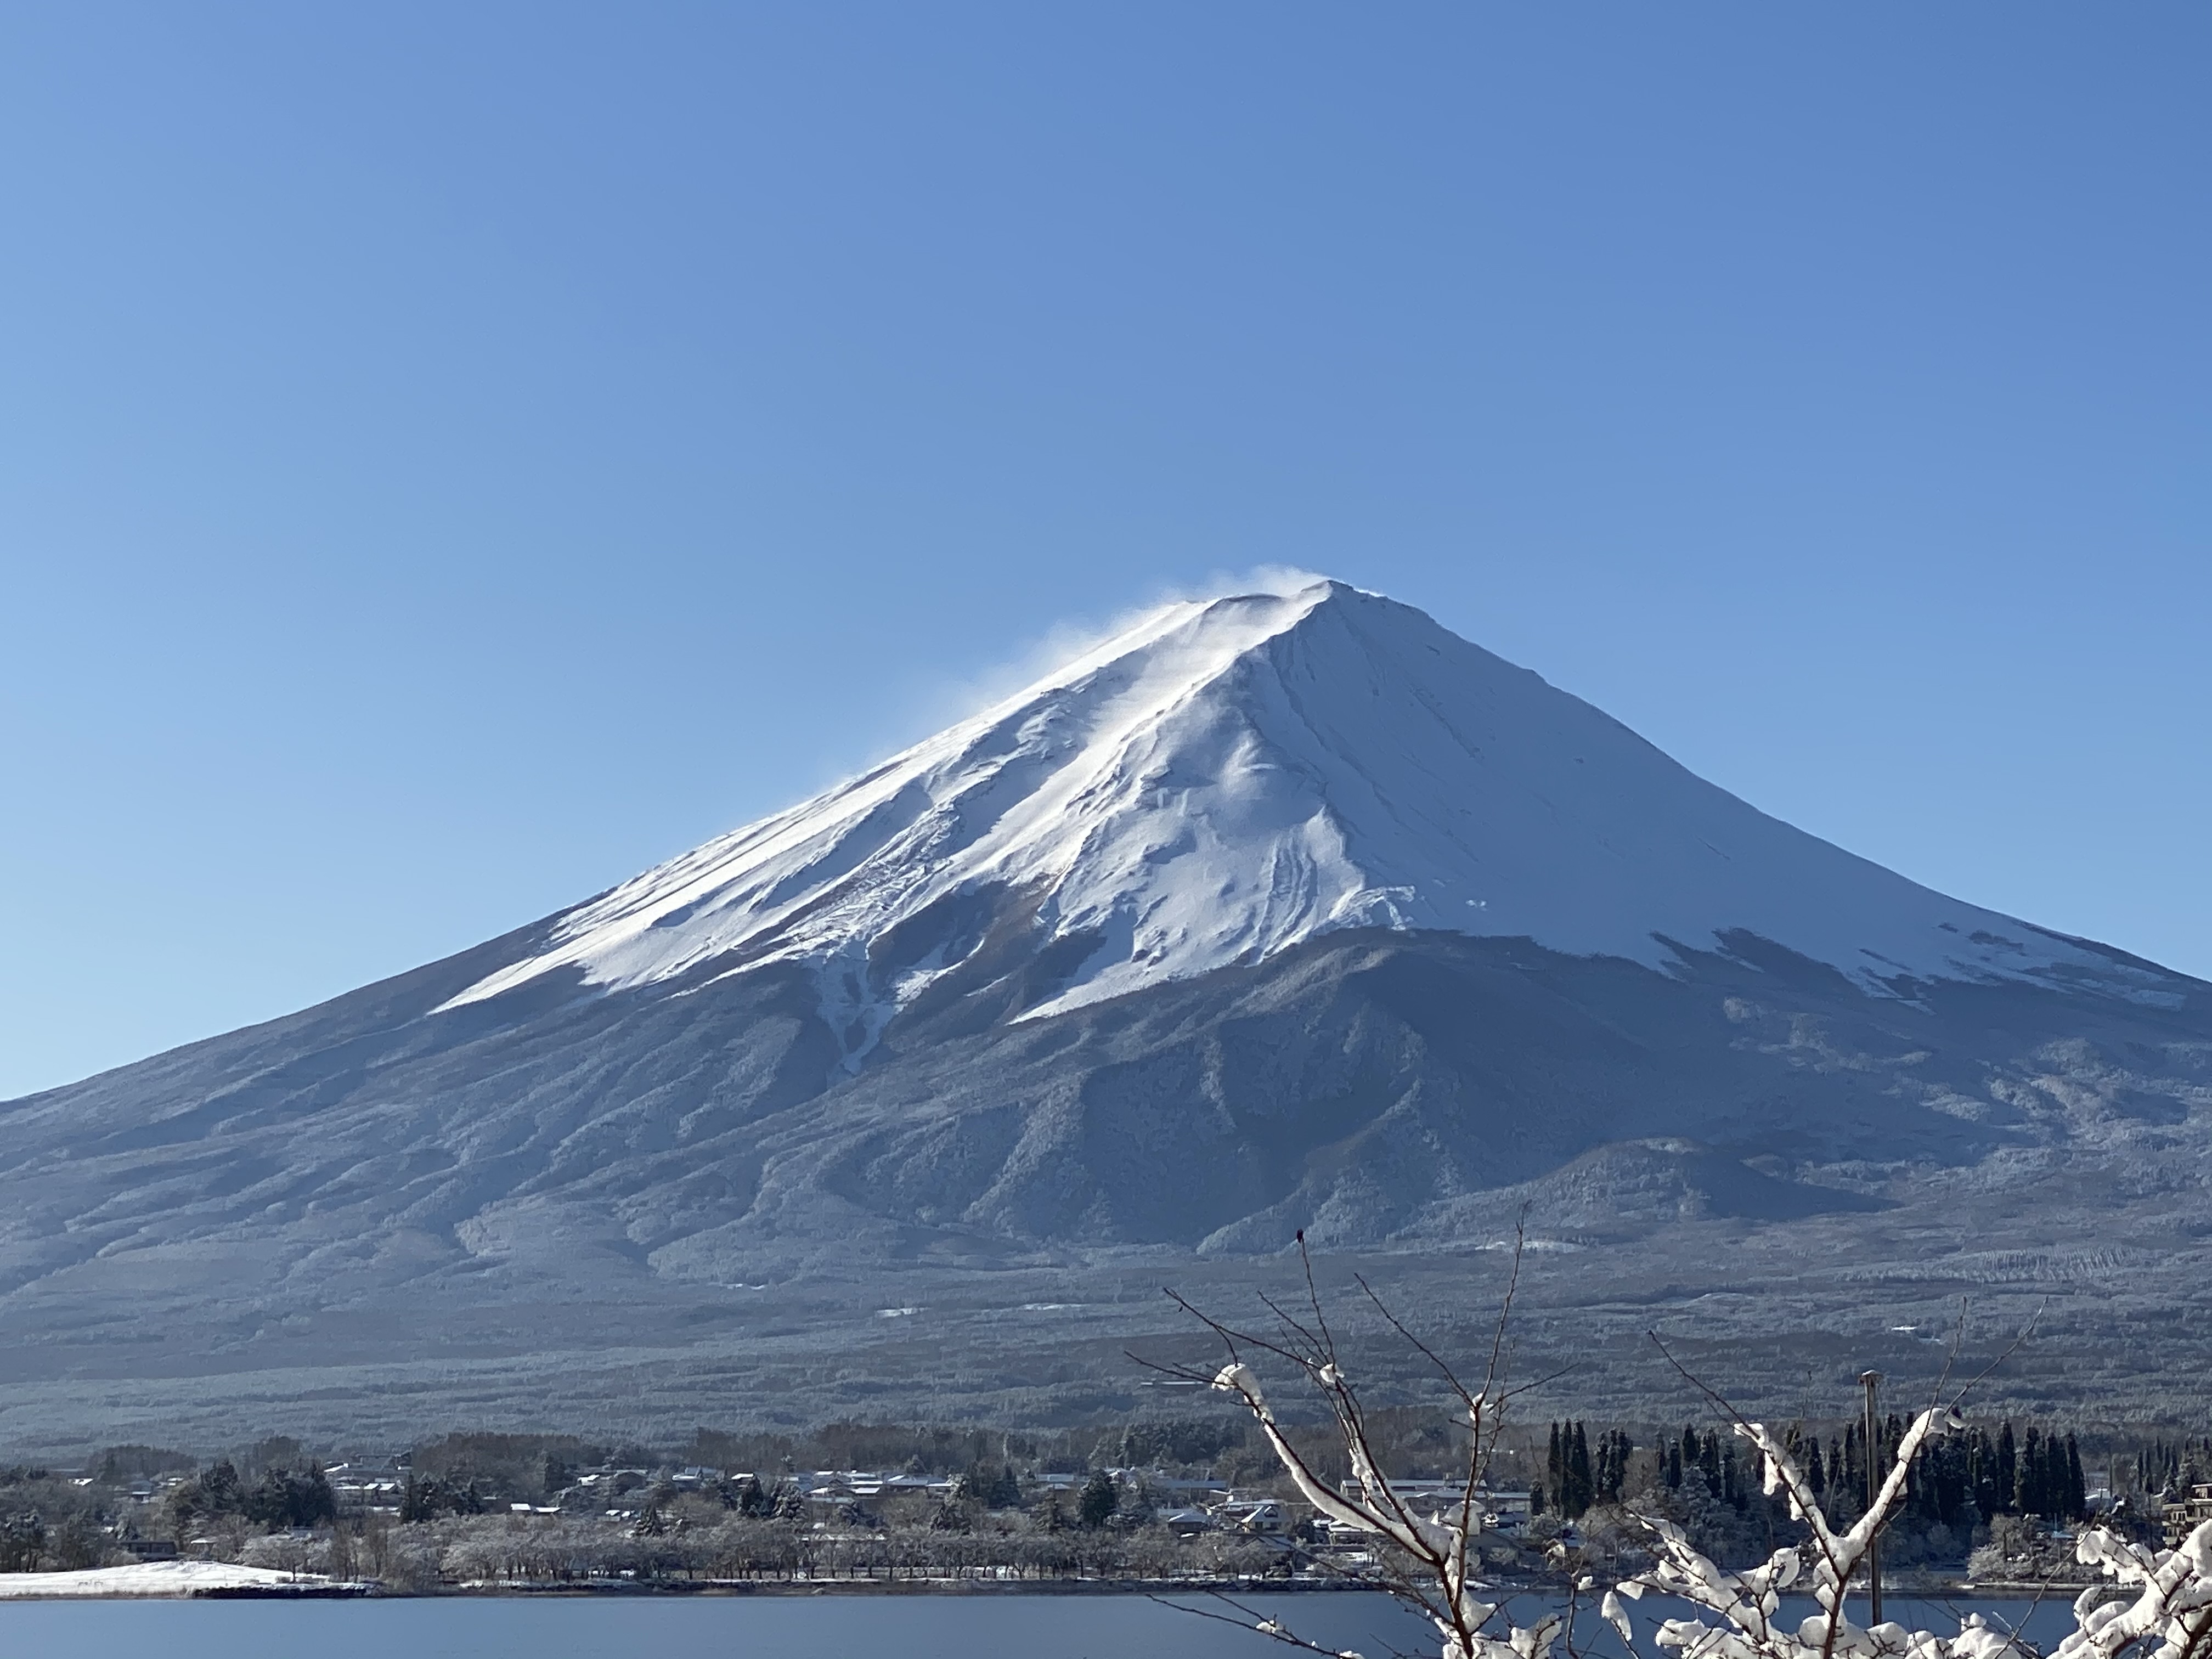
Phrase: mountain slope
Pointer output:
(1226, 780)
(1278, 912)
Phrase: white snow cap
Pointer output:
(1227, 778)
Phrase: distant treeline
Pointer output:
(1962, 1480)
(1047, 1483)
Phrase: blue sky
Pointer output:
(453, 456)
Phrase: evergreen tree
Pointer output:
(1674, 1474)
(790, 1502)
(1815, 1476)
(217, 1490)
(1101, 1498)
(1579, 1483)
(2027, 1497)
(752, 1499)
(2006, 1474)
(1555, 1471)
(291, 1497)
(428, 1498)
(2077, 1490)
(22, 1542)
(220, 1490)
(1981, 1476)
(1613, 1449)
(1952, 1498)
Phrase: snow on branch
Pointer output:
(1751, 1601)
(2171, 1618)
(1430, 1562)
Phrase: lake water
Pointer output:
(996, 1626)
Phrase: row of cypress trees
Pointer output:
(2166, 1465)
(1574, 1478)
(1962, 1478)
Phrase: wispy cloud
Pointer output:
(937, 702)
(1066, 642)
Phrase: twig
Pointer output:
(1274, 1629)
(2011, 1348)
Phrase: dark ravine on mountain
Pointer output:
(1282, 911)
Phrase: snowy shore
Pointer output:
(168, 1578)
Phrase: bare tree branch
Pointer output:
(1430, 1564)
(1254, 1620)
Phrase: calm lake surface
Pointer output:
(996, 1626)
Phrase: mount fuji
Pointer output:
(1276, 912)
(1225, 780)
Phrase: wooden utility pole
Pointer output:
(1872, 1381)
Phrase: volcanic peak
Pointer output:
(1225, 779)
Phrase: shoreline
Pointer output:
(1152, 1587)
(138, 1584)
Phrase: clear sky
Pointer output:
(452, 456)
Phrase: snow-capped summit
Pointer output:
(1225, 779)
